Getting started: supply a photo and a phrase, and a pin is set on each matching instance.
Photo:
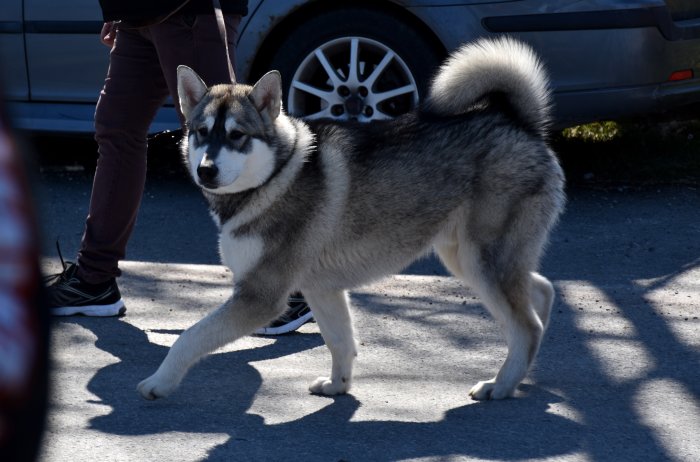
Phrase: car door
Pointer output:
(54, 65)
(13, 72)
(65, 59)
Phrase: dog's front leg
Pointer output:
(333, 318)
(238, 316)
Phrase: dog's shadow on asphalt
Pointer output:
(218, 400)
(598, 418)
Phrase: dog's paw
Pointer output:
(154, 388)
(489, 389)
(328, 387)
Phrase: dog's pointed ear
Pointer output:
(267, 94)
(190, 89)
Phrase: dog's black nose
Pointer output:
(207, 172)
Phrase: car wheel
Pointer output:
(353, 64)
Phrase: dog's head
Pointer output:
(232, 131)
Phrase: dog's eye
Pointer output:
(202, 132)
(235, 135)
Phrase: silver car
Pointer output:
(368, 60)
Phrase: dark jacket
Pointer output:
(153, 11)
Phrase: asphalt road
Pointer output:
(617, 377)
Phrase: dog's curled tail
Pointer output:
(487, 66)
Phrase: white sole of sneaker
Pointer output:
(115, 309)
(289, 327)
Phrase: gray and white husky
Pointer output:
(322, 207)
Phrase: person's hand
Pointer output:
(109, 33)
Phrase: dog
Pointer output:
(324, 206)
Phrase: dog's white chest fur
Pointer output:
(239, 254)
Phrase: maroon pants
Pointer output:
(142, 74)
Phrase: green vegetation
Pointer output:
(596, 131)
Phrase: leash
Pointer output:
(222, 32)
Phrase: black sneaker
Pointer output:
(68, 295)
(298, 313)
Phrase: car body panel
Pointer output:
(607, 59)
(64, 40)
(13, 71)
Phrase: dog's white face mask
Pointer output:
(224, 155)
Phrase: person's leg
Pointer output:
(133, 92)
(194, 41)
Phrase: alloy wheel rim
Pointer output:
(352, 78)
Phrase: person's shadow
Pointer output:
(217, 393)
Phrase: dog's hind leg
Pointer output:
(238, 316)
(333, 317)
(518, 299)
(510, 302)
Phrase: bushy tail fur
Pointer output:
(486, 66)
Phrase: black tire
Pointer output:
(377, 32)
